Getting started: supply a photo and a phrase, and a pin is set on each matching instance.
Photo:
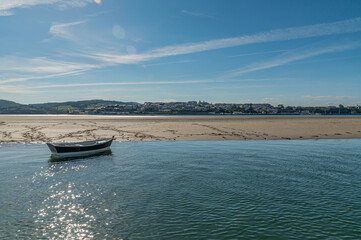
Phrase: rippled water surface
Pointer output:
(184, 189)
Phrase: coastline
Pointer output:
(59, 128)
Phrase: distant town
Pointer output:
(199, 107)
(103, 107)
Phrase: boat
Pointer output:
(80, 149)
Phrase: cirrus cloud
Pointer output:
(293, 33)
(6, 6)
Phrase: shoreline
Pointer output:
(115, 140)
(180, 115)
(69, 128)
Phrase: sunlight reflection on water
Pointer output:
(62, 213)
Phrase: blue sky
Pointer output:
(290, 52)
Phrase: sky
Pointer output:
(299, 53)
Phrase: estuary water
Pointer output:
(279, 189)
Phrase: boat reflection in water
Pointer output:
(62, 151)
(54, 159)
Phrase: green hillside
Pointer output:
(74, 107)
(6, 103)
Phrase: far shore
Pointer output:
(60, 128)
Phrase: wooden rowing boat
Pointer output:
(78, 149)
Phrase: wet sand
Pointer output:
(59, 128)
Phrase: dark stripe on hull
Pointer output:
(82, 149)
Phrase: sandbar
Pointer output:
(67, 128)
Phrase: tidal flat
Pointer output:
(59, 128)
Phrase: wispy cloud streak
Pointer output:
(123, 84)
(166, 63)
(258, 53)
(43, 68)
(196, 14)
(39, 77)
(40, 68)
(33, 89)
(5, 13)
(40, 65)
(63, 30)
(295, 55)
(7, 5)
(317, 30)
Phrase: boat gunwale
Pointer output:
(72, 144)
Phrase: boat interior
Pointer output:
(81, 144)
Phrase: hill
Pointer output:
(9, 107)
(81, 104)
(6, 103)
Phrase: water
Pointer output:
(185, 190)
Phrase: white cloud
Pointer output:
(73, 3)
(40, 65)
(5, 13)
(196, 14)
(37, 77)
(63, 30)
(239, 87)
(295, 55)
(258, 53)
(317, 30)
(6, 5)
(43, 68)
(27, 89)
(166, 63)
(17, 69)
(10, 4)
(39, 68)
(121, 84)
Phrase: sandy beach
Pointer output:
(59, 128)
